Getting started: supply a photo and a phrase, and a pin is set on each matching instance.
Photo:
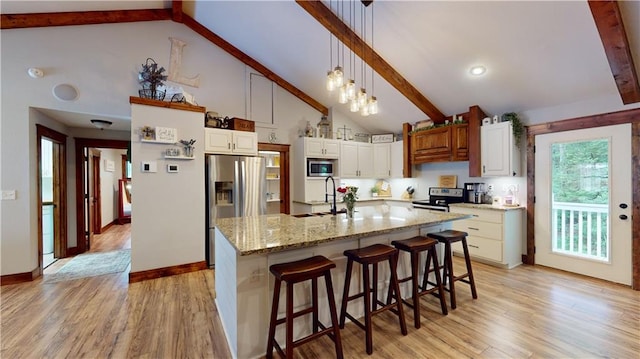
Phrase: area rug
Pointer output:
(91, 265)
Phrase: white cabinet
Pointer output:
(230, 142)
(382, 160)
(356, 159)
(499, 154)
(495, 236)
(397, 159)
(321, 148)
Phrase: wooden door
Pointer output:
(95, 196)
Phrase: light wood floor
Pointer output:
(526, 312)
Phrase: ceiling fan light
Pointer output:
(338, 76)
(373, 105)
(342, 95)
(101, 124)
(331, 84)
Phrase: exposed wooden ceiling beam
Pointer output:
(339, 29)
(614, 39)
(20, 21)
(249, 61)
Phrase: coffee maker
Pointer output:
(474, 192)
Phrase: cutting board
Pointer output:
(448, 181)
(384, 189)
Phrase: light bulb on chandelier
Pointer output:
(331, 85)
(373, 105)
(342, 95)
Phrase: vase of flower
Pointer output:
(349, 197)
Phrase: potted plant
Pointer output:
(151, 78)
(374, 191)
(516, 125)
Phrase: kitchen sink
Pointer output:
(316, 214)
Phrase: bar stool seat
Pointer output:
(415, 246)
(448, 237)
(372, 255)
(295, 272)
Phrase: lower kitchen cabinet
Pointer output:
(495, 234)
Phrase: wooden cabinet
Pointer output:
(356, 159)
(441, 144)
(499, 154)
(230, 142)
(321, 148)
(495, 236)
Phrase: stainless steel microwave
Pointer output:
(319, 168)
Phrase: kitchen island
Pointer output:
(247, 246)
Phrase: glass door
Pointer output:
(583, 202)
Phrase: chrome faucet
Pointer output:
(334, 210)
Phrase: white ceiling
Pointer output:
(538, 54)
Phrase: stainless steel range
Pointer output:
(439, 199)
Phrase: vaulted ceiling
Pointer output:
(537, 54)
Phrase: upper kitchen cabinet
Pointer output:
(321, 148)
(500, 156)
(382, 160)
(440, 144)
(356, 159)
(230, 142)
(396, 158)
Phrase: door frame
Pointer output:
(607, 119)
(95, 156)
(285, 203)
(81, 144)
(60, 194)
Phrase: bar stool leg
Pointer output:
(443, 301)
(415, 257)
(314, 303)
(449, 273)
(334, 315)
(367, 308)
(345, 294)
(375, 287)
(467, 261)
(289, 349)
(393, 265)
(274, 317)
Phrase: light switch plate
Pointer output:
(149, 166)
(9, 195)
(172, 168)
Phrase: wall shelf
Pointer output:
(184, 158)
(158, 142)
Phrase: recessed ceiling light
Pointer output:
(477, 70)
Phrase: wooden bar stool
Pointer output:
(373, 254)
(415, 246)
(295, 272)
(448, 237)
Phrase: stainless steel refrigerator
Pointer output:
(236, 187)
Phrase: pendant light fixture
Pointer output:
(358, 100)
(373, 101)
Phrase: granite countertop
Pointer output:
(486, 206)
(369, 199)
(278, 232)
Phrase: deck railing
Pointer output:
(581, 229)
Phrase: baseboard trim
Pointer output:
(166, 271)
(104, 229)
(72, 251)
(20, 277)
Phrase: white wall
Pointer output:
(102, 62)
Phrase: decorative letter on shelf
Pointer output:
(175, 63)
